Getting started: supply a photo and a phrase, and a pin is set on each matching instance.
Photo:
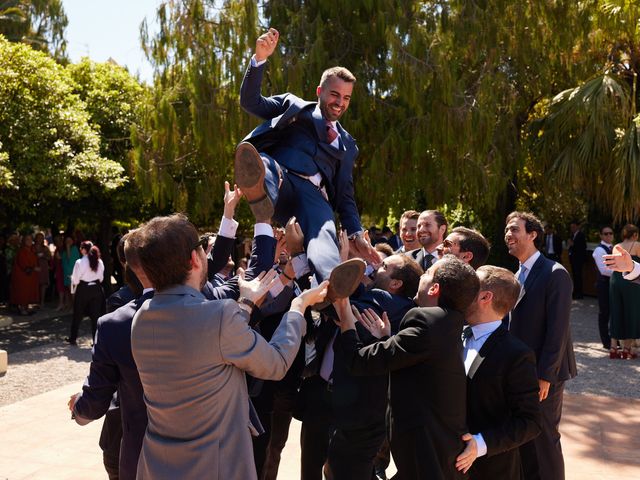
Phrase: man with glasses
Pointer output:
(468, 245)
(602, 284)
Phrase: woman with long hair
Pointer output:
(88, 273)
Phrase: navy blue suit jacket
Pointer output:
(541, 320)
(294, 134)
(113, 368)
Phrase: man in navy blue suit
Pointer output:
(300, 161)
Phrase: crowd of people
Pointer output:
(415, 349)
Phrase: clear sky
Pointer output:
(103, 29)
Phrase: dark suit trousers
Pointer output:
(576, 273)
(317, 427)
(300, 198)
(603, 310)
(110, 438)
(542, 457)
(352, 451)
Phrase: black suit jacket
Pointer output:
(427, 382)
(502, 404)
(113, 368)
(417, 255)
(541, 320)
(219, 256)
(578, 251)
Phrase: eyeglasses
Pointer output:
(607, 233)
(203, 242)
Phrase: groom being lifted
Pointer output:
(299, 163)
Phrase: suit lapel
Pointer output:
(485, 350)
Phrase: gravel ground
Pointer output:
(51, 364)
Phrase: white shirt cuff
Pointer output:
(262, 229)
(482, 446)
(300, 265)
(228, 227)
(633, 274)
(255, 63)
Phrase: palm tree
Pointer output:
(588, 137)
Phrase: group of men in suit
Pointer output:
(196, 354)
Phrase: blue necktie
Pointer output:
(523, 274)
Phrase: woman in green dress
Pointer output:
(625, 302)
(70, 254)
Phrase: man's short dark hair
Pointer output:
(459, 284)
(163, 247)
(439, 217)
(504, 286)
(531, 224)
(410, 215)
(409, 272)
(340, 72)
(474, 242)
(606, 226)
(385, 248)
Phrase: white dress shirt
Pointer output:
(472, 346)
(82, 272)
(598, 252)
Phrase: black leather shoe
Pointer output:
(70, 342)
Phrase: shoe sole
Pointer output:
(249, 176)
(343, 281)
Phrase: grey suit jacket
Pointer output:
(191, 355)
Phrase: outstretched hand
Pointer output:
(266, 44)
(378, 327)
(256, 289)
(343, 240)
(231, 200)
(310, 297)
(362, 248)
(294, 236)
(468, 455)
(619, 261)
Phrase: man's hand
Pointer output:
(266, 44)
(343, 240)
(378, 327)
(468, 455)
(294, 236)
(310, 297)
(231, 200)
(619, 261)
(346, 320)
(256, 289)
(72, 401)
(543, 393)
(281, 243)
(362, 248)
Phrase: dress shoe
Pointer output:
(343, 281)
(70, 342)
(249, 175)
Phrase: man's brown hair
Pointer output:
(531, 224)
(162, 248)
(409, 272)
(410, 215)
(504, 286)
(474, 242)
(340, 72)
(459, 284)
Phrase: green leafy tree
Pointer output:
(39, 23)
(50, 152)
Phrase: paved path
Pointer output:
(39, 441)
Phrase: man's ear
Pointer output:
(318, 91)
(466, 257)
(485, 296)
(395, 284)
(196, 261)
(434, 290)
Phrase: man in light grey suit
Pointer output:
(192, 355)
